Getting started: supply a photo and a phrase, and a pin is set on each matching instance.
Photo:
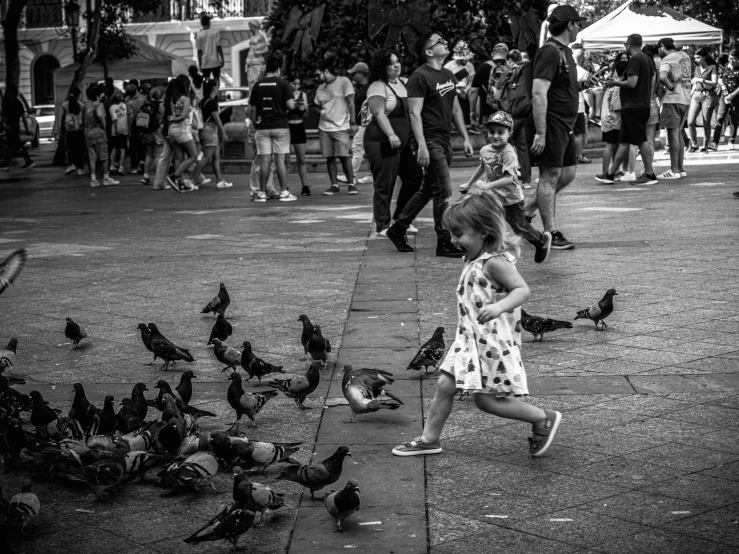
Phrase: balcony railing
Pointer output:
(183, 10)
(43, 13)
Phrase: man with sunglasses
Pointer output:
(433, 107)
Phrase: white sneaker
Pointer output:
(366, 180)
(683, 173)
(94, 183)
(189, 186)
(107, 181)
(669, 175)
(70, 170)
(731, 146)
(381, 235)
(260, 196)
(627, 177)
(223, 185)
(411, 230)
(204, 181)
(285, 196)
(80, 172)
(341, 178)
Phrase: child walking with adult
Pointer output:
(499, 165)
(485, 359)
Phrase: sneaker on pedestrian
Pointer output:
(146, 181)
(71, 169)
(80, 172)
(122, 171)
(417, 447)
(108, 181)
(618, 174)
(713, 147)
(668, 175)
(223, 185)
(28, 165)
(382, 233)
(411, 230)
(584, 160)
(645, 179)
(605, 178)
(134, 171)
(628, 176)
(305, 191)
(353, 189)
(341, 178)
(543, 248)
(542, 437)
(366, 180)
(398, 238)
(333, 189)
(683, 173)
(731, 146)
(285, 196)
(113, 170)
(260, 196)
(159, 187)
(94, 183)
(446, 249)
(559, 242)
(172, 182)
(202, 181)
(188, 185)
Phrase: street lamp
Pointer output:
(72, 20)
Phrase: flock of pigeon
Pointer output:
(103, 450)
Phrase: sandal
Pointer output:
(417, 447)
(543, 436)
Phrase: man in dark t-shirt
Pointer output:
(270, 99)
(433, 107)
(554, 102)
(636, 94)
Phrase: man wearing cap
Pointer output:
(675, 73)
(554, 101)
(210, 53)
(635, 94)
(337, 122)
(359, 74)
(480, 84)
(433, 108)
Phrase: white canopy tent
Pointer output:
(651, 22)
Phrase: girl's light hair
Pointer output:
(483, 212)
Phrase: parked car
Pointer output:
(33, 134)
(45, 115)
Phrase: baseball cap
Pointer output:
(500, 118)
(667, 42)
(563, 14)
(359, 66)
(502, 46)
(502, 54)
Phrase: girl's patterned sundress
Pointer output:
(485, 357)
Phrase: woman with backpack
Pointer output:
(75, 136)
(211, 134)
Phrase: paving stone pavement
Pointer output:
(647, 457)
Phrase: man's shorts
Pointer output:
(633, 125)
(98, 151)
(611, 137)
(272, 141)
(335, 144)
(559, 150)
(581, 124)
(673, 116)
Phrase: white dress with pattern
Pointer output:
(485, 357)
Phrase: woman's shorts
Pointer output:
(297, 133)
(180, 133)
(209, 135)
(611, 137)
(119, 141)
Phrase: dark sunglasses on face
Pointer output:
(440, 41)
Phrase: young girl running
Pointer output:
(485, 358)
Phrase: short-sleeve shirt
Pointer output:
(562, 96)
(380, 88)
(706, 74)
(610, 114)
(270, 96)
(207, 41)
(502, 163)
(461, 72)
(639, 96)
(331, 97)
(208, 106)
(730, 78)
(437, 88)
(480, 81)
(119, 115)
(679, 72)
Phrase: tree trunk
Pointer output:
(12, 48)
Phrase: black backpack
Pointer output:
(146, 120)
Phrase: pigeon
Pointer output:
(539, 325)
(252, 454)
(84, 411)
(146, 337)
(221, 330)
(226, 354)
(184, 389)
(7, 355)
(430, 353)
(255, 497)
(181, 353)
(193, 472)
(108, 422)
(299, 386)
(23, 507)
(165, 388)
(11, 267)
(602, 310)
(344, 503)
(245, 402)
(219, 304)
(361, 387)
(169, 438)
(74, 332)
(228, 525)
(318, 347)
(138, 400)
(254, 366)
(41, 413)
(307, 332)
(127, 418)
(318, 475)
